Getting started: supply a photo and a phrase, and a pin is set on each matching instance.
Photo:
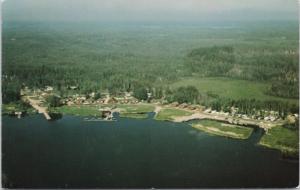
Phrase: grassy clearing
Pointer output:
(223, 129)
(169, 114)
(78, 110)
(15, 107)
(283, 139)
(230, 88)
(8, 108)
(136, 108)
(136, 111)
(134, 115)
(132, 111)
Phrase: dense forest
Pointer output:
(280, 67)
(149, 58)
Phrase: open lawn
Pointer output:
(170, 113)
(85, 110)
(15, 107)
(286, 140)
(223, 129)
(137, 111)
(135, 108)
(11, 107)
(134, 115)
(230, 88)
(134, 111)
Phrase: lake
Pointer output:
(132, 153)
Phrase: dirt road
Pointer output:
(36, 105)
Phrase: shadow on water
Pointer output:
(256, 134)
(116, 115)
(151, 115)
(55, 116)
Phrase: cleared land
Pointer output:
(134, 115)
(15, 107)
(283, 139)
(169, 114)
(135, 108)
(132, 111)
(137, 111)
(222, 129)
(11, 107)
(230, 88)
(83, 110)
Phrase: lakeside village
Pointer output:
(280, 133)
(37, 98)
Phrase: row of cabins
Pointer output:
(123, 98)
(262, 115)
(81, 99)
(187, 106)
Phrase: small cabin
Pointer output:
(183, 105)
(92, 95)
(112, 100)
(127, 95)
(48, 88)
(73, 87)
(175, 104)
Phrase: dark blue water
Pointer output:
(130, 153)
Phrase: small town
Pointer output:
(108, 105)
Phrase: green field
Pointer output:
(168, 114)
(15, 107)
(135, 108)
(222, 129)
(133, 111)
(283, 139)
(11, 107)
(136, 111)
(230, 88)
(134, 115)
(78, 110)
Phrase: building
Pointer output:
(48, 88)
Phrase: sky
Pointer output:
(149, 10)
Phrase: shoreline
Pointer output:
(157, 108)
(224, 133)
(140, 110)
